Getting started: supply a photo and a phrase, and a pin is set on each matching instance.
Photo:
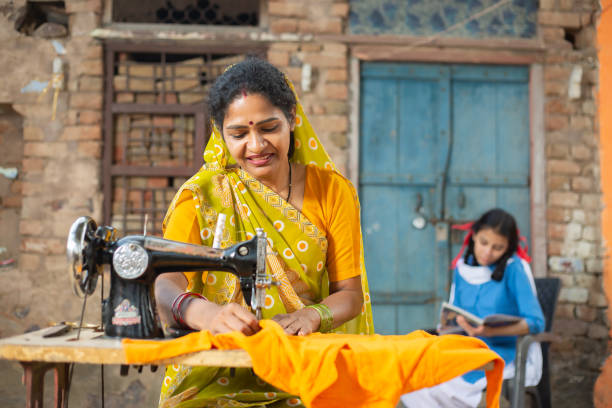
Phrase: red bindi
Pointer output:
(250, 122)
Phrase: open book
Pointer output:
(449, 325)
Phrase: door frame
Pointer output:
(537, 172)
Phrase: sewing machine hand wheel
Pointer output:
(82, 269)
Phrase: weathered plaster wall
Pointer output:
(603, 387)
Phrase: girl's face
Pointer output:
(257, 135)
(489, 246)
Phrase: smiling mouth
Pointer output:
(260, 159)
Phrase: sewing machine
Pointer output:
(136, 260)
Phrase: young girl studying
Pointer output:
(491, 276)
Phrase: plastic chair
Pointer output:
(548, 292)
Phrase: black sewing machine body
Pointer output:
(137, 260)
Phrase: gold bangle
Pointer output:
(327, 319)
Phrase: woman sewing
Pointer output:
(264, 168)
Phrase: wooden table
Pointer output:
(38, 354)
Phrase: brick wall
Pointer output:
(574, 195)
(326, 102)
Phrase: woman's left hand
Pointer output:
(301, 322)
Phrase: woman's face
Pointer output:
(489, 246)
(257, 135)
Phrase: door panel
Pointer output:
(423, 124)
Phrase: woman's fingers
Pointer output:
(233, 317)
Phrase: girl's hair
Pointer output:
(502, 223)
(251, 76)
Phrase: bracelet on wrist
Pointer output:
(327, 319)
(177, 311)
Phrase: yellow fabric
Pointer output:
(333, 370)
(297, 250)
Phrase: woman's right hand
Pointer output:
(202, 314)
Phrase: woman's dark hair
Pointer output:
(502, 223)
(251, 76)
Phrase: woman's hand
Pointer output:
(201, 314)
(301, 322)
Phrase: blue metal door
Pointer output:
(440, 144)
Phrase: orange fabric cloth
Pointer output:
(334, 370)
(329, 204)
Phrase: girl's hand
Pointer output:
(204, 315)
(301, 322)
(479, 331)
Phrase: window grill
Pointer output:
(201, 12)
(155, 127)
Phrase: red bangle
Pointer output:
(178, 302)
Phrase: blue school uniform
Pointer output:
(475, 291)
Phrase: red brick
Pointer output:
(316, 60)
(124, 97)
(555, 182)
(559, 18)
(563, 199)
(29, 262)
(556, 122)
(90, 83)
(32, 188)
(335, 49)
(90, 149)
(169, 97)
(86, 100)
(43, 245)
(340, 10)
(330, 123)
(555, 248)
(556, 231)
(581, 152)
(333, 75)
(84, 6)
(90, 117)
(581, 123)
(557, 73)
(278, 58)
(284, 25)
(81, 133)
(311, 47)
(552, 33)
(16, 187)
(558, 215)
(336, 91)
(38, 149)
(31, 165)
(12, 201)
(557, 151)
(582, 184)
(562, 167)
(287, 9)
(322, 26)
(90, 67)
(289, 47)
(556, 88)
(31, 227)
(157, 182)
(559, 106)
(33, 133)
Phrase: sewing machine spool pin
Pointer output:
(136, 261)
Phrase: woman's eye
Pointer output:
(269, 128)
(238, 135)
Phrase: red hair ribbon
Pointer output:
(521, 250)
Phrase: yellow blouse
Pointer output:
(329, 203)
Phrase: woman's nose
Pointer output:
(256, 141)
